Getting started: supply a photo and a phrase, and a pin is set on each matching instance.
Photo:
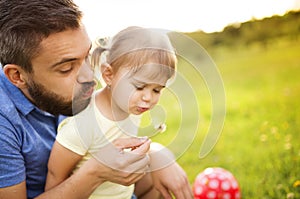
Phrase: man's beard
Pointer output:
(50, 102)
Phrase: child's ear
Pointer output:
(107, 73)
(16, 75)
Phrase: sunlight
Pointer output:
(106, 18)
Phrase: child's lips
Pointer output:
(142, 109)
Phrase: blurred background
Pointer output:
(107, 17)
(256, 48)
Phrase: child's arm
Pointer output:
(61, 163)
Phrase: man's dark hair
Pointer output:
(25, 23)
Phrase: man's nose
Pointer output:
(85, 73)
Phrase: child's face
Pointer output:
(138, 92)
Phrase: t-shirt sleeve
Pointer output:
(12, 164)
(69, 137)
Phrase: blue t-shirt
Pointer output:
(26, 138)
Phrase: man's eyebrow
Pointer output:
(66, 60)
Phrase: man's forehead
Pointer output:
(62, 41)
(69, 44)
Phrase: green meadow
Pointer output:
(259, 142)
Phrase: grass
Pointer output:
(259, 143)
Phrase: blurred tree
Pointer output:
(253, 31)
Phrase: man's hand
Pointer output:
(111, 163)
(172, 180)
(114, 163)
(168, 177)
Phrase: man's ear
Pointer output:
(16, 75)
(107, 73)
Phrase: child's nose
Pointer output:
(147, 95)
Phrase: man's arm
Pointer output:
(80, 185)
(93, 173)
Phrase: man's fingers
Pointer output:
(143, 148)
(130, 178)
(126, 161)
(179, 194)
(164, 192)
(125, 166)
(188, 193)
(185, 192)
(134, 162)
(126, 143)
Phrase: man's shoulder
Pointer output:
(8, 117)
(12, 99)
(7, 107)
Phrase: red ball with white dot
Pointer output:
(216, 183)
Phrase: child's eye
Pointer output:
(157, 90)
(139, 87)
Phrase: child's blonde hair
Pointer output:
(134, 47)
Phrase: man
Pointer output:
(44, 53)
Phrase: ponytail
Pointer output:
(96, 56)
